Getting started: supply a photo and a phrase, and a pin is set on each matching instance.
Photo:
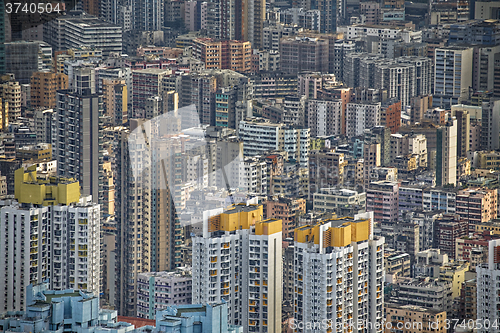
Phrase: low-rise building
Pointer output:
(286, 209)
(397, 265)
(428, 292)
(414, 319)
(331, 199)
(158, 290)
(209, 318)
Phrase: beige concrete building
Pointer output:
(11, 93)
(44, 86)
(115, 100)
(413, 319)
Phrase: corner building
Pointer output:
(239, 260)
(338, 277)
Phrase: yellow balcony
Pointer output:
(264, 283)
(329, 302)
(329, 289)
(257, 283)
(264, 296)
(83, 221)
(225, 292)
(213, 259)
(265, 302)
(213, 272)
(339, 314)
(226, 245)
(349, 269)
(251, 302)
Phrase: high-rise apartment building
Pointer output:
(148, 15)
(76, 143)
(146, 83)
(339, 267)
(4, 114)
(403, 77)
(77, 29)
(224, 54)
(487, 276)
(326, 169)
(477, 205)
(48, 212)
(44, 86)
(382, 198)
(115, 98)
(261, 136)
(23, 58)
(446, 153)
(361, 116)
(11, 93)
(304, 54)
(452, 75)
(490, 129)
(463, 132)
(286, 210)
(238, 260)
(146, 177)
(325, 118)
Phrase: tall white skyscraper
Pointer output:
(488, 275)
(452, 75)
(446, 154)
(238, 259)
(339, 276)
(48, 233)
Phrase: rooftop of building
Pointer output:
(426, 282)
(241, 208)
(137, 322)
(152, 71)
(338, 191)
(85, 20)
(411, 308)
(477, 192)
(179, 272)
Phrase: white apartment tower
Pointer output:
(339, 277)
(238, 259)
(48, 233)
(325, 117)
(446, 153)
(452, 75)
(488, 287)
(361, 116)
